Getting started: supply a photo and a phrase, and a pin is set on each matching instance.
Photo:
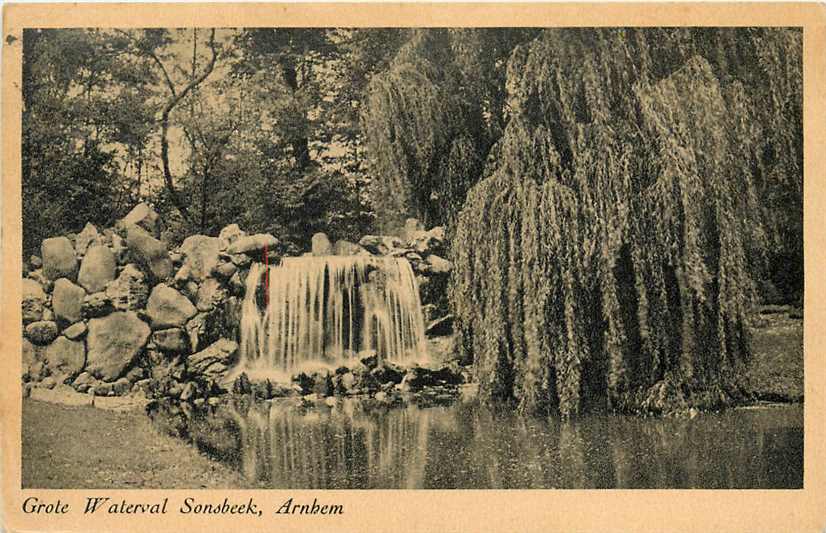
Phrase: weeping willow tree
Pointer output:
(606, 257)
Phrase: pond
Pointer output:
(365, 445)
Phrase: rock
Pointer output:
(343, 247)
(387, 373)
(113, 343)
(97, 268)
(213, 362)
(120, 249)
(321, 244)
(149, 252)
(381, 396)
(29, 357)
(242, 384)
(253, 245)
(210, 294)
(86, 238)
(33, 301)
(75, 331)
(330, 401)
(182, 276)
(96, 305)
(323, 384)
(440, 326)
(412, 225)
(42, 332)
(225, 270)
(38, 370)
(439, 265)
(190, 290)
(45, 284)
(172, 340)
(230, 234)
(65, 358)
(35, 262)
(189, 391)
(59, 259)
(121, 387)
(344, 383)
(129, 291)
(201, 255)
(370, 361)
(48, 382)
(417, 378)
(67, 301)
(168, 308)
(373, 244)
(136, 373)
(426, 242)
(240, 260)
(144, 217)
(83, 381)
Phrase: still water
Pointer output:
(359, 444)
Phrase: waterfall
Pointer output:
(329, 310)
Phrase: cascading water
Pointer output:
(328, 310)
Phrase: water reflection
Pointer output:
(467, 445)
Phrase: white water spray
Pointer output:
(328, 310)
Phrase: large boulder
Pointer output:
(86, 238)
(425, 242)
(113, 342)
(201, 253)
(151, 253)
(129, 291)
(168, 308)
(439, 265)
(33, 301)
(59, 259)
(230, 234)
(144, 217)
(42, 332)
(210, 294)
(253, 245)
(97, 268)
(65, 358)
(67, 301)
(321, 244)
(212, 363)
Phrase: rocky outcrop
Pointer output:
(113, 343)
(321, 245)
(145, 218)
(149, 252)
(42, 332)
(97, 268)
(213, 363)
(86, 238)
(201, 255)
(253, 245)
(168, 308)
(59, 259)
(67, 301)
(65, 358)
(33, 301)
(129, 291)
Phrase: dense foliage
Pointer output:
(608, 256)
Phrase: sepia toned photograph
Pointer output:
(412, 258)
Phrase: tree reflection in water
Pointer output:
(362, 444)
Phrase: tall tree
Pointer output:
(606, 256)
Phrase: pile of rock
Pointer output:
(116, 311)
(369, 377)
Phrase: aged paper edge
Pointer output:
(438, 510)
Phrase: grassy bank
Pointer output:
(84, 447)
(776, 371)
